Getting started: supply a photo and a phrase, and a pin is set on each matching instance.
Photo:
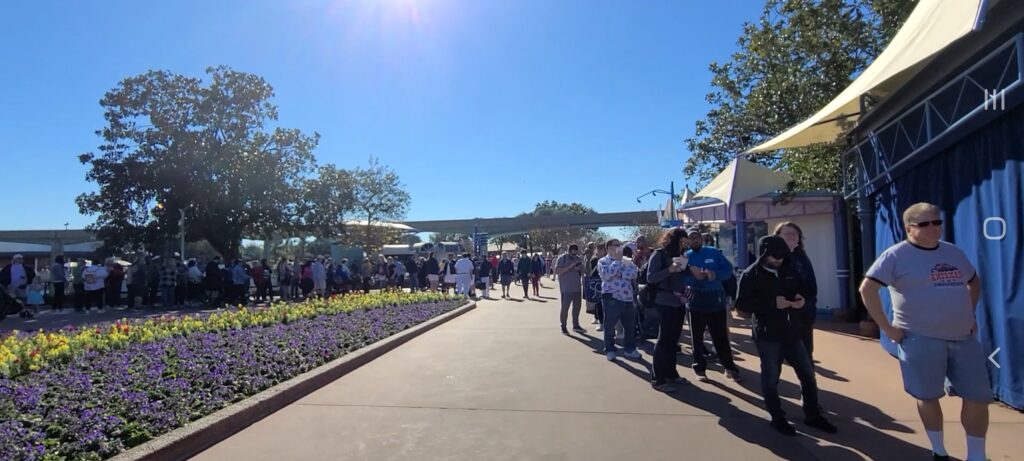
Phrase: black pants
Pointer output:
(526, 286)
(79, 296)
(807, 337)
(113, 295)
(58, 295)
(717, 323)
(670, 326)
(94, 297)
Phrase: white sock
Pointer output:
(975, 448)
(938, 445)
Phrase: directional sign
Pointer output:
(992, 358)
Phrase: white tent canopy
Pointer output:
(931, 27)
(687, 195)
(743, 180)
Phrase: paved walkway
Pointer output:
(501, 383)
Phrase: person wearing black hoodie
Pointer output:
(774, 294)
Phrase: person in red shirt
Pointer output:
(494, 269)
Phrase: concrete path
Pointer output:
(501, 383)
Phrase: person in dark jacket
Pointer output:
(774, 294)
(433, 269)
(506, 272)
(15, 277)
(213, 282)
(484, 275)
(668, 277)
(523, 269)
(801, 265)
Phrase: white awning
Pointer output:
(931, 27)
(743, 180)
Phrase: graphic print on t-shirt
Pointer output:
(946, 275)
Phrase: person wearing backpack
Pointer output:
(569, 269)
(667, 280)
(707, 308)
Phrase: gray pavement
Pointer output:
(501, 383)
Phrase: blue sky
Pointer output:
(508, 102)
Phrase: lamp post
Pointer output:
(671, 193)
(181, 230)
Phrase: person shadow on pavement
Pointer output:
(853, 442)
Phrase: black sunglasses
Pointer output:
(923, 224)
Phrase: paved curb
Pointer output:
(193, 438)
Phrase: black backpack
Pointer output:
(648, 291)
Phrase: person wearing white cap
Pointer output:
(15, 277)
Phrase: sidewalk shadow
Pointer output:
(851, 439)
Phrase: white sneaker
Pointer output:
(600, 327)
(631, 355)
(611, 356)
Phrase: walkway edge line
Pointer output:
(195, 437)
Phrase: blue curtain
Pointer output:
(979, 183)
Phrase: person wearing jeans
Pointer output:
(617, 278)
(773, 293)
(569, 269)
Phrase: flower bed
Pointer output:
(100, 400)
(23, 353)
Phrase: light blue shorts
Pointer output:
(932, 366)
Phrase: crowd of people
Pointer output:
(684, 279)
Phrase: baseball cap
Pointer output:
(772, 245)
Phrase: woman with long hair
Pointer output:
(801, 264)
(667, 276)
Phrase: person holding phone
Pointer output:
(707, 308)
(773, 293)
(569, 269)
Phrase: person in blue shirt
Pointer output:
(707, 308)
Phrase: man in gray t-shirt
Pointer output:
(934, 289)
(568, 268)
(929, 288)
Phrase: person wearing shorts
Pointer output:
(935, 290)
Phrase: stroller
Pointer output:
(9, 305)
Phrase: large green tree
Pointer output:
(790, 63)
(200, 148)
(379, 195)
(555, 239)
(327, 201)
